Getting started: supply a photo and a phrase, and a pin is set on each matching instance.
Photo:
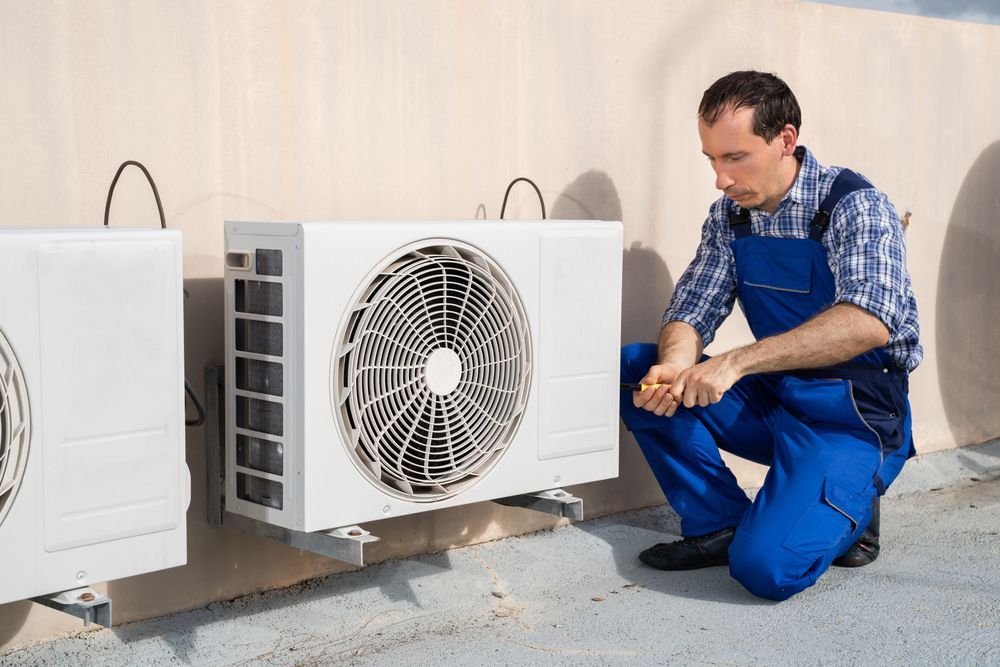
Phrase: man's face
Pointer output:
(752, 172)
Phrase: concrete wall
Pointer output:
(427, 109)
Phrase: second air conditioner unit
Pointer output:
(93, 483)
(377, 369)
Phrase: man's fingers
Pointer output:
(666, 407)
(704, 399)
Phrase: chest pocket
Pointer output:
(779, 273)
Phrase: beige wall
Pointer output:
(427, 109)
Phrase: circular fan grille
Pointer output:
(433, 370)
(14, 426)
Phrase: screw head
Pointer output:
(385, 510)
(354, 533)
(81, 575)
(556, 479)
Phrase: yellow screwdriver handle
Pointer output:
(642, 387)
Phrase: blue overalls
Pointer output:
(834, 438)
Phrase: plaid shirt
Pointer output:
(864, 248)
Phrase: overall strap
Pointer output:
(739, 221)
(844, 184)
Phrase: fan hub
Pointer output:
(443, 371)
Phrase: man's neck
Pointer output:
(789, 180)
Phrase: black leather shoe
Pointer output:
(865, 550)
(691, 553)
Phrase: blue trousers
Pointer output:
(824, 461)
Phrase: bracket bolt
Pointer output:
(86, 597)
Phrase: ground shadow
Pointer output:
(968, 307)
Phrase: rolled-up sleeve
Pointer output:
(871, 263)
(704, 295)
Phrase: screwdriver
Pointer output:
(642, 387)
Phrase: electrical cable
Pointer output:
(114, 182)
(199, 408)
(200, 419)
(541, 200)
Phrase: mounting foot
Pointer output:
(346, 544)
(85, 603)
(554, 501)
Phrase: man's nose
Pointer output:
(722, 180)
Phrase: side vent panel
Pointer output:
(259, 381)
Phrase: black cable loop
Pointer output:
(503, 208)
(114, 182)
(200, 419)
(188, 389)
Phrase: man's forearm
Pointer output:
(680, 344)
(838, 334)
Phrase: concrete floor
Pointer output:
(577, 595)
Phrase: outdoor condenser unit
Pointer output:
(378, 369)
(93, 483)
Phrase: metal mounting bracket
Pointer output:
(345, 544)
(85, 603)
(554, 501)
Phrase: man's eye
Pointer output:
(736, 158)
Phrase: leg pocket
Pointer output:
(830, 520)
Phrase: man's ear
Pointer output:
(789, 137)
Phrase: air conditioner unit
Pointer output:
(93, 484)
(377, 369)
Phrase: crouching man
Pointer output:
(815, 256)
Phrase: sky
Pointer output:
(981, 11)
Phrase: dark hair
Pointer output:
(772, 100)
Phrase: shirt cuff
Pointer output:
(877, 300)
(698, 323)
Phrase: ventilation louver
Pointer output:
(433, 370)
(14, 427)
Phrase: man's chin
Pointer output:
(745, 201)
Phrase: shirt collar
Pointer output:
(805, 189)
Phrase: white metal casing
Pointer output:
(94, 318)
(568, 276)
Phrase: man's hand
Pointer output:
(705, 383)
(660, 400)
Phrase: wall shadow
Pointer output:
(968, 305)
(591, 196)
(12, 618)
(646, 282)
(646, 289)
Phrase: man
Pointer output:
(815, 256)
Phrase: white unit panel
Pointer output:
(111, 384)
(580, 287)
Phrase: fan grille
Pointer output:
(14, 427)
(433, 370)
